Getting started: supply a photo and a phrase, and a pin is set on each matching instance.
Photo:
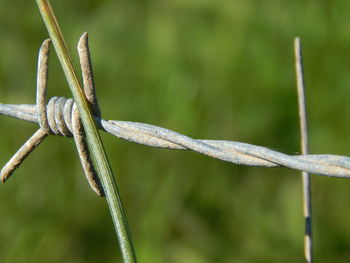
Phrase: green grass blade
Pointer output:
(94, 141)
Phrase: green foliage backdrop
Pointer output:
(208, 69)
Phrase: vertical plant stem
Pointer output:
(94, 141)
(304, 150)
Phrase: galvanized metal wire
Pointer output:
(56, 118)
(229, 151)
(60, 117)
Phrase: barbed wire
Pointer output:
(57, 117)
(60, 117)
(229, 151)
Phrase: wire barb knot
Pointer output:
(60, 116)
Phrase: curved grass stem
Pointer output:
(94, 141)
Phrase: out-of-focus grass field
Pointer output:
(208, 69)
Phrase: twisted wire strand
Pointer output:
(230, 151)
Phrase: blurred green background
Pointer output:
(208, 69)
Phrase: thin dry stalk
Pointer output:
(304, 150)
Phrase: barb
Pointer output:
(59, 117)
